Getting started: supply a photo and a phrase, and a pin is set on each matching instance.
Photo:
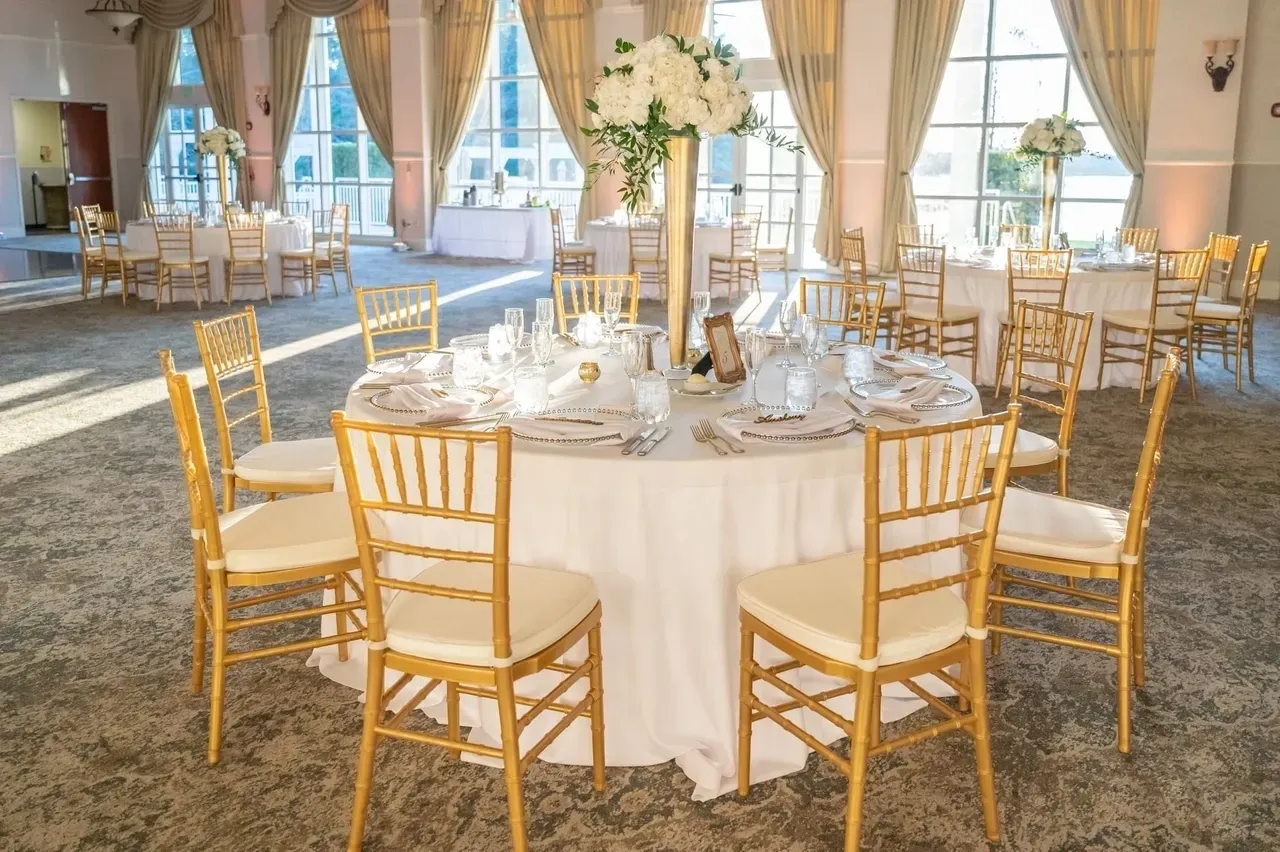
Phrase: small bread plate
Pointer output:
(706, 390)
(948, 397)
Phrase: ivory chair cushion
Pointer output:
(545, 605)
(296, 253)
(182, 259)
(140, 256)
(1166, 320)
(1213, 311)
(950, 313)
(312, 461)
(1029, 449)
(1059, 527)
(819, 605)
(293, 532)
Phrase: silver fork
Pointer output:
(713, 435)
(702, 438)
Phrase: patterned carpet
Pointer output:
(102, 748)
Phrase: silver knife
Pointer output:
(648, 445)
(630, 446)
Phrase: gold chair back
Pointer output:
(340, 225)
(1223, 251)
(1038, 276)
(175, 236)
(922, 275)
(853, 255)
(296, 208)
(844, 305)
(785, 245)
(1179, 277)
(409, 312)
(1135, 539)
(744, 230)
(577, 294)
(557, 230)
(644, 236)
(89, 227)
(1142, 239)
(1020, 235)
(202, 506)
(1253, 278)
(915, 235)
(247, 237)
(231, 353)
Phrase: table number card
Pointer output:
(723, 344)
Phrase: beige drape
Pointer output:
(922, 42)
(324, 8)
(1112, 46)
(290, 51)
(462, 32)
(157, 53)
(365, 37)
(217, 42)
(807, 37)
(676, 17)
(175, 14)
(562, 35)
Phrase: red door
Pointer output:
(84, 127)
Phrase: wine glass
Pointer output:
(546, 310)
(754, 354)
(634, 361)
(513, 321)
(612, 313)
(701, 307)
(808, 330)
(786, 321)
(543, 337)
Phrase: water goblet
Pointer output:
(513, 321)
(612, 313)
(532, 395)
(858, 364)
(801, 388)
(754, 354)
(701, 306)
(808, 330)
(546, 310)
(634, 360)
(543, 337)
(653, 398)
(468, 366)
(787, 315)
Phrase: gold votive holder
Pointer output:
(589, 371)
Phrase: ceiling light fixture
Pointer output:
(116, 14)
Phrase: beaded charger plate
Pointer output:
(474, 397)
(604, 414)
(887, 360)
(949, 397)
(753, 411)
(395, 366)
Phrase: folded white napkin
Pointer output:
(614, 429)
(901, 399)
(902, 365)
(423, 403)
(412, 370)
(824, 418)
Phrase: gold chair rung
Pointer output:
(1068, 641)
(924, 734)
(1060, 609)
(800, 734)
(932, 700)
(799, 695)
(549, 737)
(302, 645)
(1073, 591)
(443, 742)
(549, 699)
(412, 703)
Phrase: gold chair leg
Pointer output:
(597, 709)
(876, 695)
(266, 281)
(199, 624)
(1251, 378)
(1002, 357)
(1139, 628)
(963, 676)
(340, 618)
(231, 281)
(1124, 635)
(1148, 352)
(228, 492)
(973, 359)
(746, 656)
(218, 679)
(452, 706)
(1102, 362)
(1239, 362)
(368, 748)
(995, 613)
(511, 759)
(1191, 366)
(858, 755)
(982, 737)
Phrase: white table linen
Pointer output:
(667, 538)
(504, 233)
(613, 254)
(212, 242)
(1087, 290)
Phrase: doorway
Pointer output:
(64, 160)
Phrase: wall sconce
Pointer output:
(1219, 73)
(262, 94)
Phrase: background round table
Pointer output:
(613, 254)
(667, 538)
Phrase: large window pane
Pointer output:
(1083, 220)
(517, 102)
(742, 24)
(971, 34)
(335, 67)
(1023, 89)
(960, 96)
(951, 219)
(1078, 106)
(518, 156)
(1097, 174)
(512, 53)
(948, 165)
(1005, 175)
(1026, 27)
(346, 164)
(342, 108)
(379, 168)
(188, 71)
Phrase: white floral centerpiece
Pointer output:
(220, 141)
(668, 87)
(1054, 134)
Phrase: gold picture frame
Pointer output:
(722, 340)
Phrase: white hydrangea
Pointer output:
(1050, 135)
(219, 141)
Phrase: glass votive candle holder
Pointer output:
(468, 366)
(532, 396)
(859, 365)
(802, 388)
(653, 398)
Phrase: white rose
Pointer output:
(642, 71)
(715, 91)
(1059, 125)
(1043, 140)
(1028, 135)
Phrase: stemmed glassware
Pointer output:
(634, 361)
(787, 315)
(701, 307)
(612, 313)
(754, 354)
(513, 321)
(543, 337)
(808, 330)
(546, 310)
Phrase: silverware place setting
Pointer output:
(704, 432)
(862, 412)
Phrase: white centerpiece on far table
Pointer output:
(1049, 141)
(224, 144)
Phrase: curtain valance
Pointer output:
(175, 14)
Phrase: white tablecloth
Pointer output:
(988, 291)
(666, 539)
(211, 242)
(613, 253)
(505, 233)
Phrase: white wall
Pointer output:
(50, 50)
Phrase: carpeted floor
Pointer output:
(102, 747)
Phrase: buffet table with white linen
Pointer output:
(613, 253)
(212, 242)
(504, 233)
(667, 538)
(1088, 289)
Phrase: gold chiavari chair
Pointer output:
(175, 244)
(1142, 239)
(1177, 282)
(471, 619)
(915, 235)
(730, 269)
(853, 262)
(296, 208)
(1051, 534)
(644, 245)
(844, 306)
(230, 351)
(1224, 328)
(1223, 251)
(926, 317)
(92, 254)
(569, 258)
(1060, 339)
(338, 255)
(1020, 235)
(577, 294)
(131, 268)
(247, 262)
(772, 257)
(408, 312)
(873, 618)
(1035, 276)
(308, 540)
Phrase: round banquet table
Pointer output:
(211, 242)
(1088, 289)
(521, 234)
(667, 538)
(613, 254)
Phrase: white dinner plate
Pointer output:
(888, 360)
(406, 363)
(950, 395)
(447, 394)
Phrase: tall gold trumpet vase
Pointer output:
(1050, 187)
(224, 185)
(681, 173)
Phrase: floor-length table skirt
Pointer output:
(1100, 292)
(212, 242)
(503, 233)
(613, 254)
(666, 539)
